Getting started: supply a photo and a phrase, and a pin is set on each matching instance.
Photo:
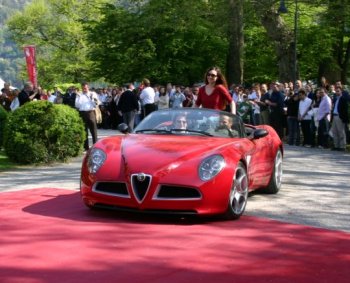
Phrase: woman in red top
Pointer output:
(215, 95)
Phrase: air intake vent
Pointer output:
(179, 193)
(112, 188)
(140, 185)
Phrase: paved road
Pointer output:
(315, 192)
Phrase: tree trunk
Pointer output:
(283, 37)
(336, 68)
(236, 41)
(345, 64)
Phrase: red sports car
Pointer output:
(183, 161)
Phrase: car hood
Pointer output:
(150, 153)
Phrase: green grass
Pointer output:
(5, 163)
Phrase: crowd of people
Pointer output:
(301, 113)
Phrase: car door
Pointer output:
(259, 161)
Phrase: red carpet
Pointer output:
(47, 235)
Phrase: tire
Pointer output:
(238, 195)
(276, 177)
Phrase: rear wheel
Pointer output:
(239, 194)
(276, 177)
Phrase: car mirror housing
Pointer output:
(260, 133)
(123, 128)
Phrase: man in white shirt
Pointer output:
(103, 95)
(323, 118)
(304, 117)
(86, 102)
(147, 97)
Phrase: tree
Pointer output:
(176, 41)
(166, 41)
(336, 25)
(56, 28)
(236, 42)
(10, 65)
(280, 34)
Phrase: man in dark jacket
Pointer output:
(340, 118)
(276, 105)
(27, 93)
(128, 106)
(69, 97)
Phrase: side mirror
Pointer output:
(123, 128)
(260, 133)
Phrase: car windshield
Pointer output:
(192, 121)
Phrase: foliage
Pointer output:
(11, 58)
(42, 132)
(119, 41)
(5, 163)
(165, 41)
(259, 56)
(3, 119)
(322, 36)
(56, 28)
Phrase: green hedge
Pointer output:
(3, 117)
(43, 132)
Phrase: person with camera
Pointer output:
(86, 102)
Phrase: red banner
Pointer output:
(29, 52)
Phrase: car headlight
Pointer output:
(96, 159)
(210, 167)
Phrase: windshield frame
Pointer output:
(200, 122)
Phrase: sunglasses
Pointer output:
(181, 122)
(211, 75)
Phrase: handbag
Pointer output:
(98, 114)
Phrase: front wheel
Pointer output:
(238, 194)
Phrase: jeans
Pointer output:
(323, 129)
(129, 119)
(293, 131)
(307, 134)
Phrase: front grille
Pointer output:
(140, 186)
(175, 192)
(112, 188)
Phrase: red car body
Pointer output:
(157, 172)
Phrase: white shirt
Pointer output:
(103, 97)
(86, 101)
(237, 98)
(304, 107)
(177, 98)
(147, 95)
(253, 96)
(52, 98)
(335, 109)
(324, 108)
(156, 98)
